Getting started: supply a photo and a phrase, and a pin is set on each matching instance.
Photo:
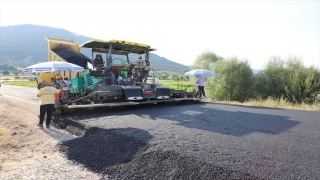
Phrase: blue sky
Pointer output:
(182, 30)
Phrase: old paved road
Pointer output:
(267, 143)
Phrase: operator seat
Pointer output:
(98, 61)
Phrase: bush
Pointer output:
(234, 81)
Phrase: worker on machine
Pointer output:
(120, 78)
(140, 62)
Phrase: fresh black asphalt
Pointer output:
(251, 142)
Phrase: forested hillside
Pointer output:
(24, 45)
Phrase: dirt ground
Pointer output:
(27, 152)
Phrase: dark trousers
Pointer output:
(201, 91)
(65, 94)
(46, 108)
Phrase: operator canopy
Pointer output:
(120, 47)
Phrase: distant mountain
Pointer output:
(24, 45)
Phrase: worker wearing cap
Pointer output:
(47, 95)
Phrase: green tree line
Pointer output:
(6, 69)
(281, 79)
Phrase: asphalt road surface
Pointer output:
(251, 142)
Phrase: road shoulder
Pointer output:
(30, 152)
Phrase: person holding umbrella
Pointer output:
(47, 95)
(200, 82)
(200, 74)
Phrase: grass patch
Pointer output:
(181, 85)
(282, 104)
(4, 132)
(4, 136)
(21, 83)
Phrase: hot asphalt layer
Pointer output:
(227, 141)
(118, 155)
(192, 141)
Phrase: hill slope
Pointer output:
(24, 45)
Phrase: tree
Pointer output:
(175, 78)
(21, 71)
(205, 59)
(164, 77)
(303, 85)
(5, 73)
(271, 82)
(293, 63)
(289, 80)
(7, 67)
(234, 80)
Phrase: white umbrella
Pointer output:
(53, 66)
(200, 72)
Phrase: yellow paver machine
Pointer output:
(117, 74)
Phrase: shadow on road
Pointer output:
(230, 120)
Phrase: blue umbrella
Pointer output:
(200, 72)
(53, 66)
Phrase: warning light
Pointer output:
(148, 93)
